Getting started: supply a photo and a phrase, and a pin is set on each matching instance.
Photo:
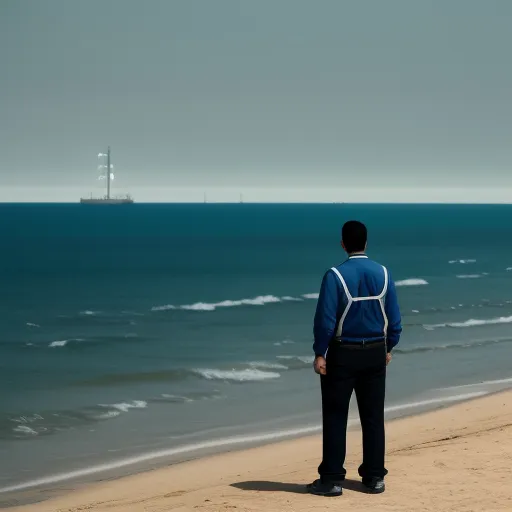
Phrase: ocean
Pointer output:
(138, 335)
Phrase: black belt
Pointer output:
(359, 345)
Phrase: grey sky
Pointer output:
(263, 93)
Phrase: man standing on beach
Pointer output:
(357, 324)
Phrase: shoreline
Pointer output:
(42, 499)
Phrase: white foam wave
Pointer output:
(469, 276)
(261, 300)
(268, 366)
(89, 312)
(302, 359)
(177, 398)
(108, 415)
(247, 375)
(508, 269)
(30, 324)
(126, 406)
(415, 311)
(27, 419)
(462, 262)
(23, 429)
(165, 307)
(473, 322)
(199, 306)
(63, 343)
(414, 281)
(216, 443)
(58, 343)
(256, 301)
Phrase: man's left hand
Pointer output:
(320, 365)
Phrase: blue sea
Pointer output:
(138, 335)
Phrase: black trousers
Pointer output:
(362, 370)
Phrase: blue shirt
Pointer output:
(365, 320)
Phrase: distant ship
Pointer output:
(108, 176)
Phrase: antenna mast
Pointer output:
(108, 173)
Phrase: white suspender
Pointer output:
(351, 300)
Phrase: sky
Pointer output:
(292, 100)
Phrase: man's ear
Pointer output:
(343, 245)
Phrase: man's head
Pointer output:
(354, 236)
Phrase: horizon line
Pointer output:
(341, 203)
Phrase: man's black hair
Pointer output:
(354, 235)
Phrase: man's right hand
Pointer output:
(320, 365)
(388, 358)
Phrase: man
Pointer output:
(357, 324)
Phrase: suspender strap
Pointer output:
(351, 300)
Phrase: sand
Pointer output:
(455, 459)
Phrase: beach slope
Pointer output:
(455, 459)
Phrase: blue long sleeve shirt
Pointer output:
(364, 320)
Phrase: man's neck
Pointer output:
(357, 253)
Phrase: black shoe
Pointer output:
(374, 485)
(325, 489)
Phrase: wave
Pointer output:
(261, 300)
(472, 322)
(469, 276)
(483, 303)
(414, 281)
(284, 342)
(165, 307)
(88, 342)
(217, 444)
(54, 421)
(449, 346)
(61, 343)
(247, 375)
(246, 372)
(188, 397)
(89, 312)
(256, 301)
(23, 429)
(30, 324)
(294, 362)
(126, 406)
(462, 262)
(267, 366)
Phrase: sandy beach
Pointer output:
(454, 459)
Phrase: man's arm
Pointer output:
(326, 313)
(394, 318)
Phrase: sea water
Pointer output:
(132, 334)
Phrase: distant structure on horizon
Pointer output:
(109, 176)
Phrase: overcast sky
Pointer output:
(267, 95)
